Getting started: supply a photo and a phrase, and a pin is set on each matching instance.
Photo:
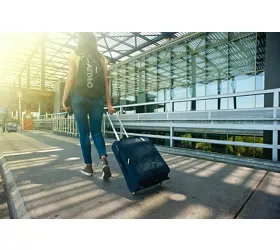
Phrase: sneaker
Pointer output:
(106, 175)
(87, 170)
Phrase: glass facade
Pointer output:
(209, 64)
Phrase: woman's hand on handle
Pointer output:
(64, 107)
(111, 110)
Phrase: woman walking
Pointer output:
(87, 84)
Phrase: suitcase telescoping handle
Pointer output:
(113, 127)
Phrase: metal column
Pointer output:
(272, 74)
(193, 86)
(28, 75)
(19, 81)
(43, 63)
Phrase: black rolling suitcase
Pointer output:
(140, 162)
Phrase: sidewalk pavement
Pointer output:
(42, 174)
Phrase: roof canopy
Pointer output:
(21, 53)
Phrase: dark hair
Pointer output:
(87, 44)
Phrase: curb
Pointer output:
(3, 190)
(15, 202)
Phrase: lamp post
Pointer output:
(19, 95)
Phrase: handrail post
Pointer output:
(275, 130)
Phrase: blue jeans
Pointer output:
(84, 107)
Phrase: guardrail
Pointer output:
(255, 119)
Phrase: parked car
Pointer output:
(11, 127)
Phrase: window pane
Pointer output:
(163, 69)
(224, 102)
(259, 101)
(180, 106)
(167, 94)
(224, 86)
(242, 83)
(178, 65)
(244, 102)
(151, 96)
(260, 81)
(151, 72)
(179, 93)
(242, 57)
(212, 104)
(200, 105)
(161, 95)
(212, 88)
(130, 83)
(200, 89)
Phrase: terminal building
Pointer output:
(192, 92)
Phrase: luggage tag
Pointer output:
(138, 139)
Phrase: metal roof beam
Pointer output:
(34, 51)
(144, 45)
(69, 46)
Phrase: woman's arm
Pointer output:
(107, 90)
(69, 83)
